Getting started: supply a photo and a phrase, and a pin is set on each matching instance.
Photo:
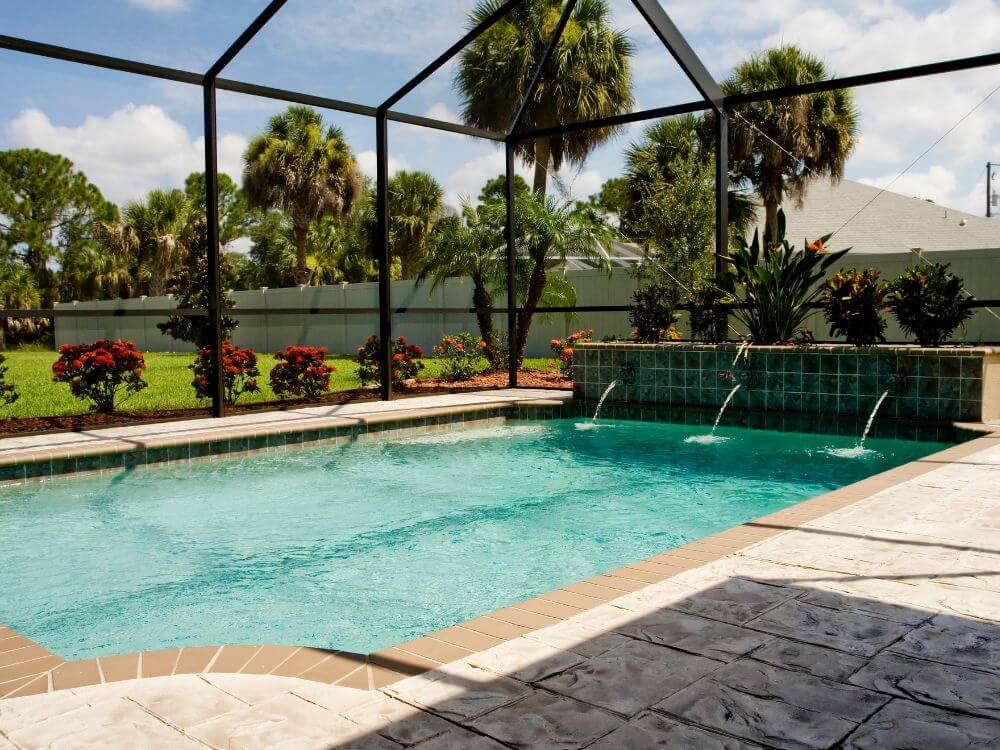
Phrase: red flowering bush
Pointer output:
(8, 393)
(239, 367)
(98, 371)
(462, 356)
(563, 349)
(301, 371)
(405, 361)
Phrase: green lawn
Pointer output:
(169, 379)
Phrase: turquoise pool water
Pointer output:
(365, 545)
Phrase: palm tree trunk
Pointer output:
(301, 236)
(770, 219)
(536, 286)
(542, 154)
(482, 300)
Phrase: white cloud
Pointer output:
(938, 183)
(161, 6)
(368, 164)
(441, 111)
(129, 152)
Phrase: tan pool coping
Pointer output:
(132, 438)
(26, 668)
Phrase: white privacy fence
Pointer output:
(344, 333)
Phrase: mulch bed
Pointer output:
(82, 422)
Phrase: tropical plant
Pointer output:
(155, 225)
(461, 356)
(46, 208)
(239, 368)
(414, 208)
(653, 313)
(853, 302)
(234, 214)
(564, 349)
(668, 201)
(301, 371)
(467, 245)
(495, 188)
(929, 302)
(775, 284)
(196, 288)
(589, 76)
(17, 290)
(779, 145)
(8, 391)
(709, 320)
(405, 361)
(303, 169)
(99, 371)
(547, 233)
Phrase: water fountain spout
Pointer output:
(711, 437)
(743, 347)
(871, 419)
(607, 391)
(859, 450)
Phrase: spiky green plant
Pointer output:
(776, 284)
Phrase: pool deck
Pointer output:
(866, 617)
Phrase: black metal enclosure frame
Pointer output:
(712, 99)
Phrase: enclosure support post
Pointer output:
(215, 298)
(721, 190)
(511, 268)
(382, 250)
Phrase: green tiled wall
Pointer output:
(930, 384)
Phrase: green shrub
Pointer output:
(462, 356)
(564, 349)
(708, 320)
(776, 284)
(653, 313)
(853, 302)
(239, 368)
(929, 302)
(99, 371)
(301, 371)
(405, 361)
(8, 392)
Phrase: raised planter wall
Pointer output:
(948, 384)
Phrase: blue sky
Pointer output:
(131, 134)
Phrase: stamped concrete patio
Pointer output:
(876, 625)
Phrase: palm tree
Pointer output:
(306, 171)
(17, 290)
(157, 224)
(414, 208)
(589, 76)
(780, 146)
(468, 246)
(548, 233)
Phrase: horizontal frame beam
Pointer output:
(867, 79)
(614, 120)
(107, 62)
(975, 304)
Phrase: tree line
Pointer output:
(308, 214)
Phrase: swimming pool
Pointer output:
(367, 544)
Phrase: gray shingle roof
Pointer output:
(893, 223)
